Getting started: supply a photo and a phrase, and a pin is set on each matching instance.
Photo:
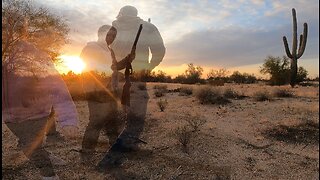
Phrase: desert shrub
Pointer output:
(208, 95)
(161, 87)
(279, 70)
(262, 96)
(305, 132)
(160, 90)
(217, 77)
(306, 83)
(174, 90)
(316, 79)
(195, 122)
(183, 135)
(142, 86)
(143, 76)
(193, 74)
(283, 93)
(159, 93)
(216, 82)
(162, 77)
(301, 74)
(185, 91)
(246, 78)
(230, 93)
(162, 104)
(180, 79)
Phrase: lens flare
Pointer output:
(73, 63)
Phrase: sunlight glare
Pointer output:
(73, 63)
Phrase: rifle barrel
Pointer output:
(136, 40)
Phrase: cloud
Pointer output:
(217, 33)
(235, 46)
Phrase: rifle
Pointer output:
(125, 98)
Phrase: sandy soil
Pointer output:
(232, 144)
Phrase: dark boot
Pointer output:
(109, 161)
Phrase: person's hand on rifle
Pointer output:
(130, 57)
(123, 63)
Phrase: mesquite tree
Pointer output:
(295, 55)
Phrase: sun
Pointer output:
(73, 63)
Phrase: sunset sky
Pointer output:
(232, 34)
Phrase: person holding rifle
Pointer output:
(136, 37)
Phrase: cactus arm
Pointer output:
(286, 47)
(304, 42)
(294, 35)
(300, 41)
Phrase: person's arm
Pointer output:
(157, 48)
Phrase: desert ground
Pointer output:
(244, 139)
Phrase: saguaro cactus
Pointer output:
(295, 55)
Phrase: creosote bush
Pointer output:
(162, 104)
(230, 93)
(283, 93)
(208, 95)
(262, 96)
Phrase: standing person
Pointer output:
(127, 25)
(31, 86)
(96, 54)
(102, 98)
(102, 111)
